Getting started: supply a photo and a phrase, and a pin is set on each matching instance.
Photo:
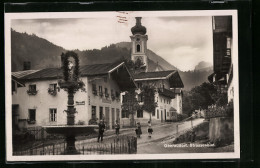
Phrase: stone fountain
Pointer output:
(71, 84)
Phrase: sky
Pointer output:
(183, 41)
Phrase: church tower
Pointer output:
(139, 44)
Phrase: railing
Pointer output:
(118, 145)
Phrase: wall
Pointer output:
(43, 101)
(221, 130)
(102, 101)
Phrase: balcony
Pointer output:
(166, 93)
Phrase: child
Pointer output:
(150, 130)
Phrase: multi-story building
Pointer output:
(222, 55)
(38, 100)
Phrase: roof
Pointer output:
(117, 71)
(85, 70)
(154, 75)
(21, 74)
(171, 75)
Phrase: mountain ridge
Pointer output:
(44, 54)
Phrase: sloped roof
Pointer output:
(85, 70)
(154, 75)
(20, 74)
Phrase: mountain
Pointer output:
(40, 52)
(44, 54)
(153, 58)
(203, 66)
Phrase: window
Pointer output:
(167, 114)
(123, 98)
(53, 86)
(138, 48)
(52, 89)
(93, 112)
(163, 100)
(32, 115)
(100, 112)
(32, 90)
(94, 89)
(125, 114)
(157, 114)
(53, 115)
(139, 113)
(113, 96)
(140, 97)
(163, 86)
(32, 87)
(100, 90)
(106, 92)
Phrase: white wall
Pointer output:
(43, 101)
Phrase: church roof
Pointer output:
(138, 28)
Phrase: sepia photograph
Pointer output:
(125, 85)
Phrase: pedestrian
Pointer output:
(138, 130)
(101, 129)
(117, 127)
(149, 130)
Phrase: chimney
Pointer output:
(27, 65)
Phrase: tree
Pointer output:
(130, 104)
(203, 96)
(148, 93)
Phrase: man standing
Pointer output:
(101, 130)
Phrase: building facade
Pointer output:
(222, 55)
(41, 102)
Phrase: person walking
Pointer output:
(101, 129)
(117, 127)
(149, 130)
(138, 130)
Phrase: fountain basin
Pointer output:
(71, 130)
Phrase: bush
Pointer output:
(181, 117)
(223, 111)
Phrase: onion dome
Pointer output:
(138, 28)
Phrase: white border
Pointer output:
(8, 100)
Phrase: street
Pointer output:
(161, 133)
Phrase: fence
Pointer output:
(117, 145)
